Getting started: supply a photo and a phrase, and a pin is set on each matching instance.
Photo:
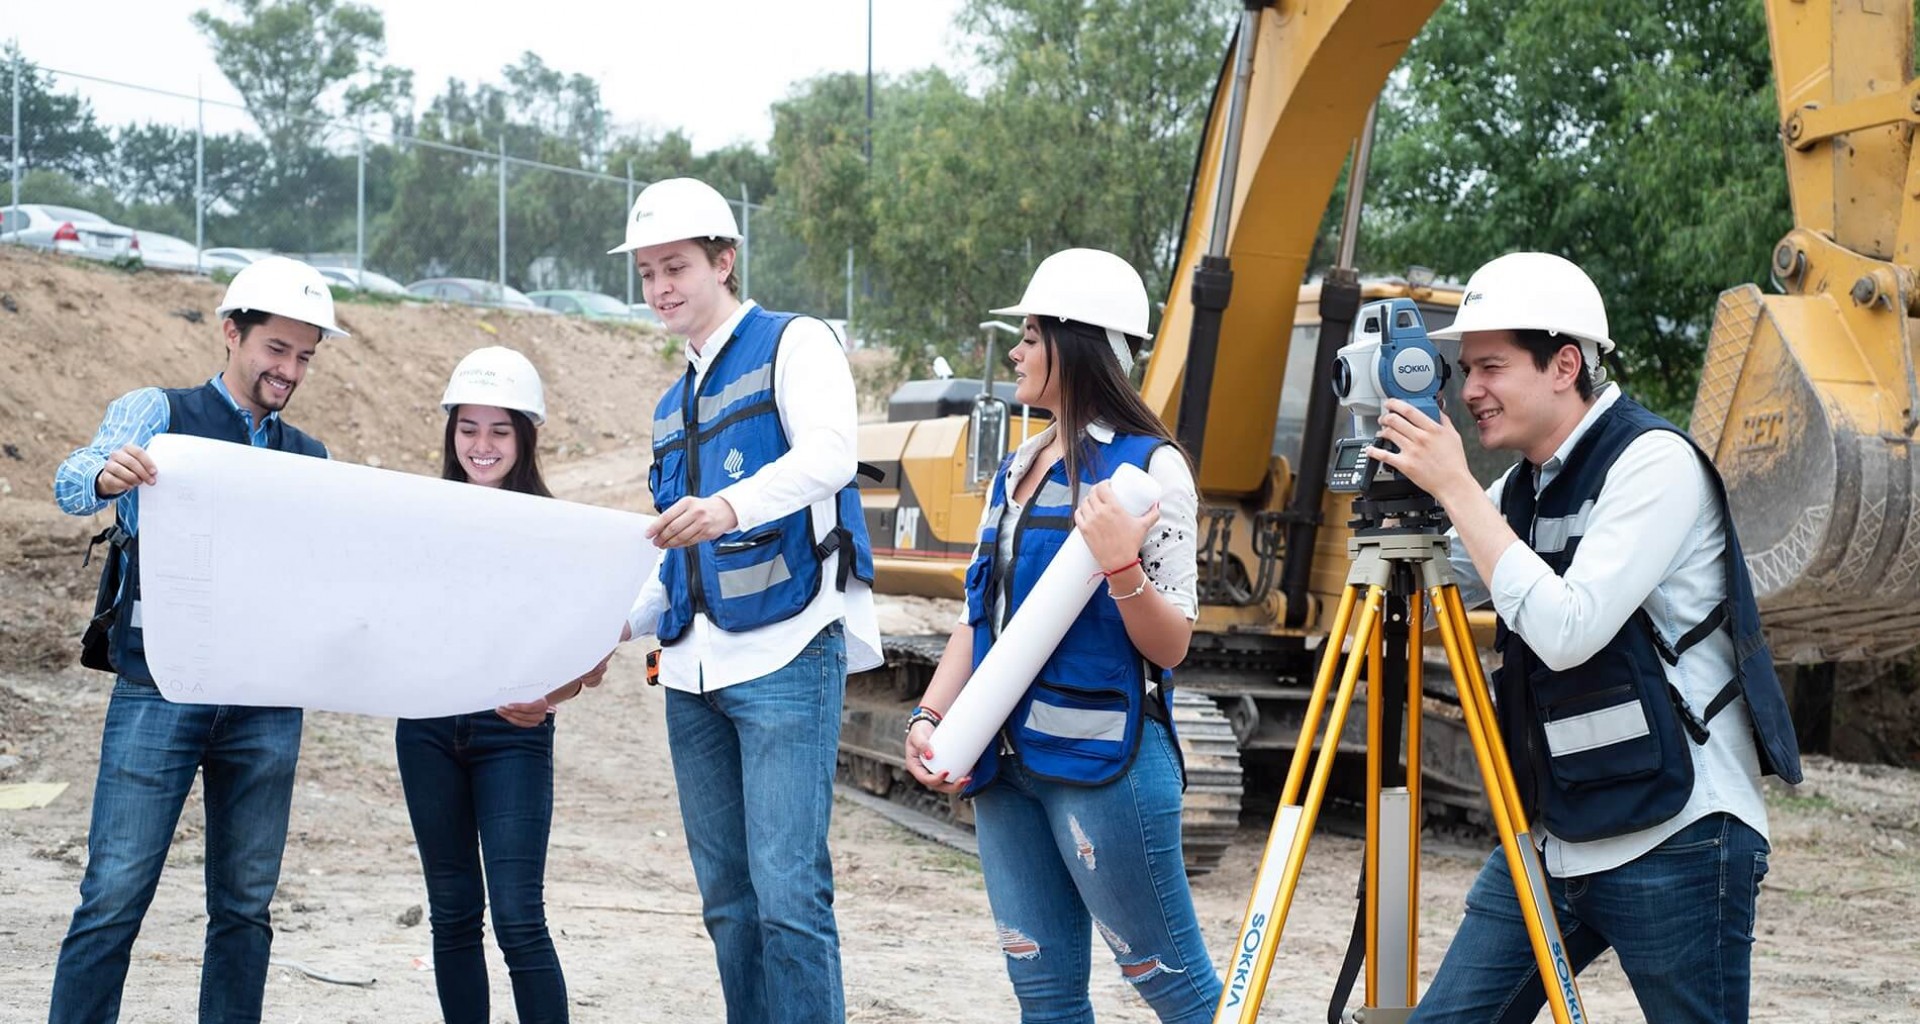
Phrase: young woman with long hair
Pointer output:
(480, 786)
(1077, 802)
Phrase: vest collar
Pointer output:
(717, 341)
(1609, 394)
(1023, 455)
(220, 388)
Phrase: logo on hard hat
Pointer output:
(307, 289)
(640, 215)
(1472, 297)
(735, 465)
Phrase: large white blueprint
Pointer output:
(270, 579)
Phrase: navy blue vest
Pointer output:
(1602, 749)
(201, 412)
(1080, 721)
(724, 432)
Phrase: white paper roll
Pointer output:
(1029, 639)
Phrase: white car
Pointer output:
(362, 280)
(67, 230)
(228, 258)
(165, 252)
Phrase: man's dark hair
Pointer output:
(247, 320)
(525, 474)
(1544, 345)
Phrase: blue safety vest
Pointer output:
(1602, 749)
(201, 412)
(1080, 721)
(708, 438)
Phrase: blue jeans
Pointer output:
(150, 750)
(1062, 860)
(480, 788)
(1680, 918)
(754, 763)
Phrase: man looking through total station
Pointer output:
(1637, 698)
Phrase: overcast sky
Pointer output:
(710, 69)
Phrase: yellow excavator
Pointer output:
(1808, 401)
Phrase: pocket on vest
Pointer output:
(749, 566)
(977, 597)
(665, 475)
(1078, 735)
(1602, 734)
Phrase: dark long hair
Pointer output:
(1092, 388)
(525, 474)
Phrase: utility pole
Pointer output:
(360, 215)
(199, 173)
(629, 256)
(16, 126)
(503, 220)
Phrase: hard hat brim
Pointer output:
(327, 333)
(1454, 332)
(629, 246)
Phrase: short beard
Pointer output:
(266, 398)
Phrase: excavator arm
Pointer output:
(1808, 400)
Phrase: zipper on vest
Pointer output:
(690, 427)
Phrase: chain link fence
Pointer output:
(198, 179)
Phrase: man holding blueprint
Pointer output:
(275, 314)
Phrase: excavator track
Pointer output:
(871, 758)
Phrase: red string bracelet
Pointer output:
(1111, 573)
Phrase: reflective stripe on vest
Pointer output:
(1603, 749)
(705, 441)
(1080, 721)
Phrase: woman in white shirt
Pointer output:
(1077, 802)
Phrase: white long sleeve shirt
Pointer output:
(813, 388)
(1654, 539)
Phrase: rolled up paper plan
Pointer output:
(1029, 638)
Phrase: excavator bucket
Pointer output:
(1811, 424)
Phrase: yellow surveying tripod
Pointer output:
(1393, 566)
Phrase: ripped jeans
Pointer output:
(1063, 861)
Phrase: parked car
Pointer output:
(66, 230)
(362, 280)
(472, 291)
(165, 252)
(645, 314)
(591, 305)
(228, 258)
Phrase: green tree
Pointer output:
(57, 132)
(1082, 132)
(295, 61)
(1635, 138)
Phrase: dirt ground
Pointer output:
(1838, 938)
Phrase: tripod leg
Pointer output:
(1286, 852)
(1317, 703)
(1523, 860)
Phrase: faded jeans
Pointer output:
(150, 751)
(754, 766)
(1062, 861)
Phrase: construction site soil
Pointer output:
(1839, 918)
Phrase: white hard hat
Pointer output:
(1534, 291)
(1090, 286)
(499, 377)
(677, 208)
(288, 287)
